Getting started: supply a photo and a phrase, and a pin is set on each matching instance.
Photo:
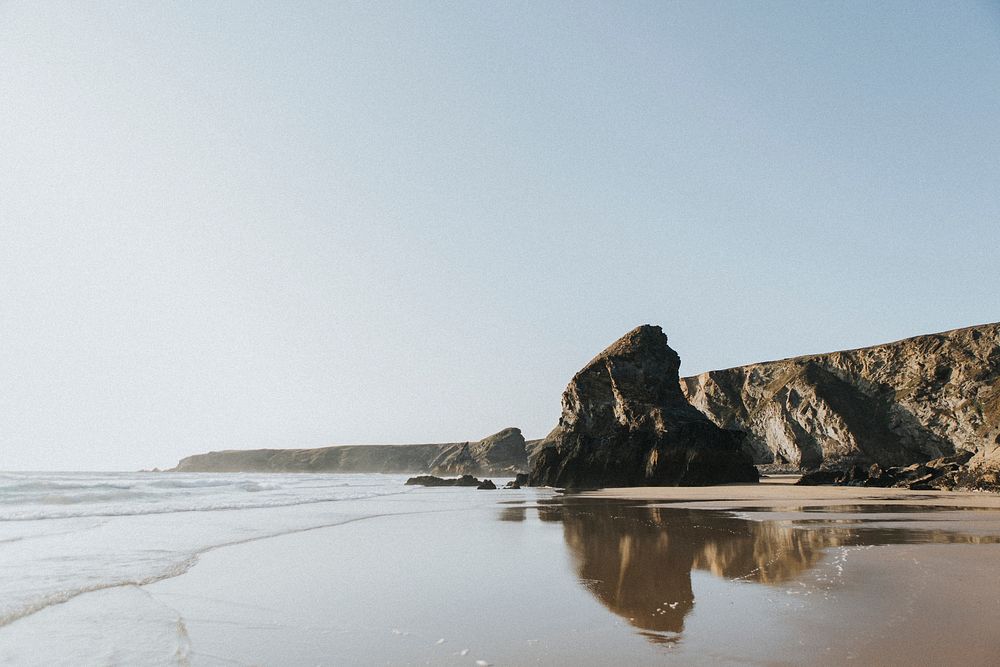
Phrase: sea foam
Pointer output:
(64, 534)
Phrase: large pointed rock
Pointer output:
(625, 422)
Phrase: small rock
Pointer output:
(431, 480)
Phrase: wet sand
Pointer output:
(769, 574)
(782, 489)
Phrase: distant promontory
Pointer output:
(503, 453)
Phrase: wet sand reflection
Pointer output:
(637, 559)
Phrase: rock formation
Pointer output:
(895, 404)
(945, 473)
(520, 480)
(625, 422)
(504, 453)
(431, 480)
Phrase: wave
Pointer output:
(68, 499)
(51, 485)
(39, 497)
(29, 515)
(191, 483)
(171, 570)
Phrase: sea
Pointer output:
(65, 534)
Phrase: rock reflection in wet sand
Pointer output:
(637, 559)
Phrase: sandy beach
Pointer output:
(781, 489)
(765, 574)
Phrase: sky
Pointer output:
(292, 224)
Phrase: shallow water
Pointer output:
(63, 534)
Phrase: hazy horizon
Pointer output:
(235, 226)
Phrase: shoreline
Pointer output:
(462, 577)
(782, 488)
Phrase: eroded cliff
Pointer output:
(893, 404)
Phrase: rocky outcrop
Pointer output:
(625, 422)
(895, 404)
(504, 453)
(520, 480)
(432, 480)
(943, 474)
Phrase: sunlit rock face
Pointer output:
(625, 422)
(894, 404)
(500, 453)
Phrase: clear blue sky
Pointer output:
(229, 225)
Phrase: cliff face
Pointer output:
(625, 422)
(502, 453)
(892, 404)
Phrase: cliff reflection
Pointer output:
(637, 560)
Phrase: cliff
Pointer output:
(625, 422)
(502, 453)
(893, 404)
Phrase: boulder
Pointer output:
(431, 480)
(520, 480)
(487, 485)
(943, 473)
(625, 422)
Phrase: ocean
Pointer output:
(64, 534)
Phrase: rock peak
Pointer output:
(626, 422)
(642, 338)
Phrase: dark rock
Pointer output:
(625, 422)
(487, 485)
(821, 477)
(431, 480)
(944, 473)
(519, 480)
(877, 477)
